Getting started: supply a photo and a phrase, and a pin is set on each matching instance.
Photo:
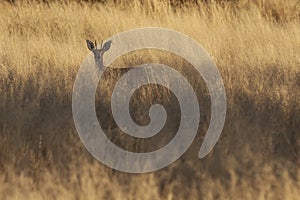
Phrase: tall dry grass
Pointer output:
(256, 48)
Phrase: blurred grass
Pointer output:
(255, 45)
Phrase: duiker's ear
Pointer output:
(106, 46)
(90, 45)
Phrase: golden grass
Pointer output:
(256, 48)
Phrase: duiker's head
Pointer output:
(98, 52)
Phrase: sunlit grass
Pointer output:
(255, 46)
